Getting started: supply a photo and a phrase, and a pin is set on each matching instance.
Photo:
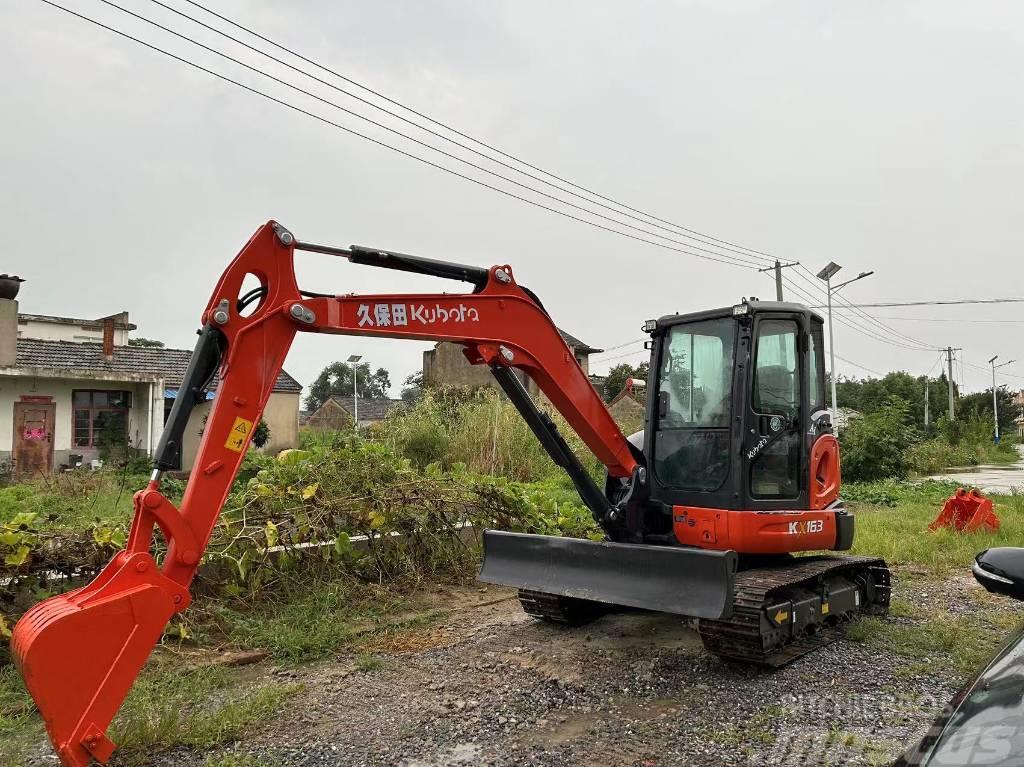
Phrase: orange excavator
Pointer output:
(736, 471)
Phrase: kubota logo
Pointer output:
(807, 526)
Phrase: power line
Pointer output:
(621, 356)
(856, 326)
(720, 258)
(859, 366)
(950, 302)
(694, 234)
(949, 319)
(903, 341)
(378, 142)
(812, 279)
(620, 346)
(746, 257)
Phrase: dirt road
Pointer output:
(490, 686)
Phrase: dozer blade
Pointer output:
(80, 652)
(694, 582)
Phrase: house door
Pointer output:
(33, 437)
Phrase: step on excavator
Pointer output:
(705, 514)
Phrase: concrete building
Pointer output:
(446, 365)
(336, 414)
(69, 386)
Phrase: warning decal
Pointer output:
(238, 435)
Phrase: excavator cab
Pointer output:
(737, 423)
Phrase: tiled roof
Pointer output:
(577, 344)
(369, 409)
(120, 324)
(73, 356)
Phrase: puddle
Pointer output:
(631, 630)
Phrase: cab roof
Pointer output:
(754, 307)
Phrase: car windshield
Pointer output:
(988, 725)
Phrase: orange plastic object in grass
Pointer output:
(967, 512)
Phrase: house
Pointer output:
(843, 416)
(627, 407)
(446, 365)
(336, 414)
(70, 386)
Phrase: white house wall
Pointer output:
(143, 419)
(59, 331)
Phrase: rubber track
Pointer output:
(739, 638)
(553, 608)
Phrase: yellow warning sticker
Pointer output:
(781, 617)
(238, 435)
(824, 608)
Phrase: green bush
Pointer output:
(875, 445)
(416, 523)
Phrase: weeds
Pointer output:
(898, 530)
(367, 663)
(936, 640)
(197, 709)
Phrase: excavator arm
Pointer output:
(80, 652)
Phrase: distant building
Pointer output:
(628, 405)
(446, 365)
(69, 386)
(843, 417)
(336, 414)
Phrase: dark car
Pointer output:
(984, 723)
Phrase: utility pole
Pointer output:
(995, 395)
(779, 266)
(949, 367)
(926, 388)
(352, 360)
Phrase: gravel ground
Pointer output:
(490, 686)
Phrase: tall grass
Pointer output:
(483, 432)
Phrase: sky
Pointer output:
(883, 136)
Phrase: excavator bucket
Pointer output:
(672, 579)
(967, 512)
(80, 652)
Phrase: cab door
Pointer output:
(774, 450)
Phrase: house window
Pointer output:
(100, 417)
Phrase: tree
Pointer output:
(261, 434)
(335, 380)
(978, 407)
(869, 395)
(616, 380)
(875, 446)
(412, 387)
(147, 343)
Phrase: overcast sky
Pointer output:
(880, 135)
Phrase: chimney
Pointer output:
(108, 339)
(9, 286)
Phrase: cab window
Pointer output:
(775, 470)
(691, 443)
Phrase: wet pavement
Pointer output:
(1001, 479)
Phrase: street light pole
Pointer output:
(995, 395)
(827, 274)
(353, 359)
(832, 354)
